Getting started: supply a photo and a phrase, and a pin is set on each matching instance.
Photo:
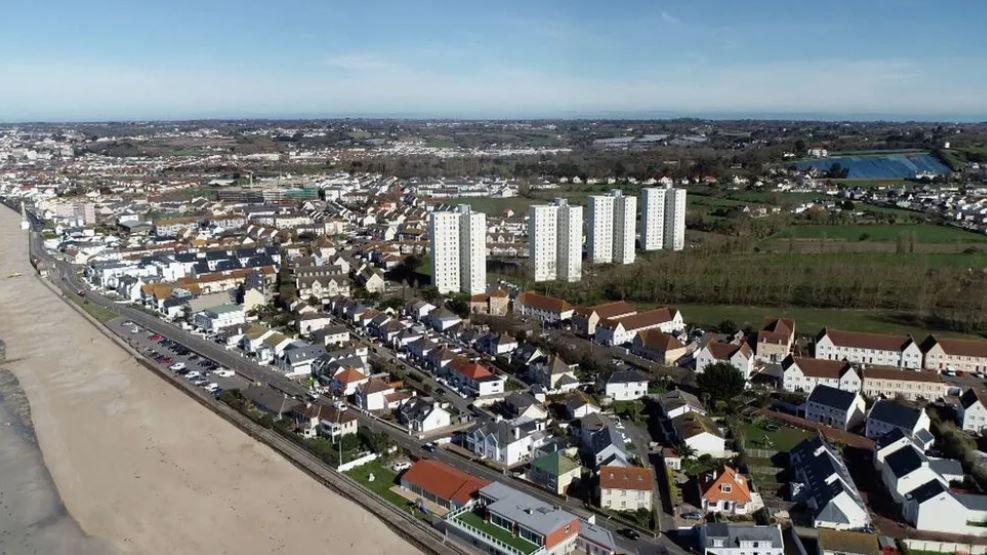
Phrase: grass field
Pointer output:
(924, 233)
(496, 205)
(782, 439)
(808, 321)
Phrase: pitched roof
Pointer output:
(349, 375)
(861, 340)
(973, 395)
(693, 423)
(726, 351)
(641, 319)
(713, 491)
(543, 302)
(609, 310)
(962, 347)
(895, 413)
(776, 330)
(657, 340)
(818, 367)
(443, 481)
(832, 397)
(625, 477)
(892, 373)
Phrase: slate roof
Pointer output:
(832, 397)
(894, 413)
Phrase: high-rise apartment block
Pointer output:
(611, 228)
(458, 250)
(662, 218)
(674, 238)
(555, 241)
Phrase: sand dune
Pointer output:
(142, 467)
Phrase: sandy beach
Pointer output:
(139, 466)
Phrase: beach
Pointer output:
(136, 465)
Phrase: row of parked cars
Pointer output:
(192, 367)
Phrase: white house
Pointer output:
(626, 385)
(504, 442)
(824, 485)
(622, 330)
(218, 317)
(729, 538)
(887, 415)
(804, 374)
(973, 410)
(835, 407)
(869, 348)
(700, 433)
(739, 356)
(423, 414)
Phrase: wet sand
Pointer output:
(138, 465)
(32, 516)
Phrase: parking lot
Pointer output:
(197, 369)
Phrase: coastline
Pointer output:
(140, 466)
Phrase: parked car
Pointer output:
(177, 366)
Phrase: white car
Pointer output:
(224, 372)
(401, 466)
(192, 375)
(177, 366)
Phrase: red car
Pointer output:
(155, 337)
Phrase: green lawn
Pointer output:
(924, 233)
(808, 321)
(782, 439)
(521, 544)
(497, 205)
(384, 479)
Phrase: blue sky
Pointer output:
(182, 59)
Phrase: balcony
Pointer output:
(491, 534)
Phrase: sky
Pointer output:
(182, 59)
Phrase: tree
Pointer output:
(728, 327)
(721, 381)
(430, 293)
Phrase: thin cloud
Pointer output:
(670, 19)
(359, 61)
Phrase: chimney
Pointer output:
(517, 432)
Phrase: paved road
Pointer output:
(65, 277)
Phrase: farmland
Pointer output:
(809, 320)
(923, 233)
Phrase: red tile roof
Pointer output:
(861, 340)
(543, 302)
(443, 481)
(631, 477)
(641, 319)
(963, 347)
(713, 492)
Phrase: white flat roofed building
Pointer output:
(542, 241)
(555, 241)
(458, 250)
(674, 238)
(624, 227)
(652, 218)
(472, 250)
(599, 230)
(443, 229)
(570, 241)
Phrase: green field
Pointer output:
(924, 233)
(782, 439)
(494, 206)
(808, 321)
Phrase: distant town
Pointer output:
(573, 336)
